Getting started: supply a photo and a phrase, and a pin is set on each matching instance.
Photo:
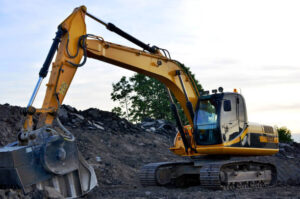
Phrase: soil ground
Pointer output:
(117, 149)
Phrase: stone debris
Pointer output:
(98, 159)
(162, 127)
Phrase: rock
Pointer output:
(73, 121)
(148, 130)
(100, 123)
(107, 181)
(52, 193)
(147, 119)
(290, 157)
(93, 113)
(148, 193)
(63, 115)
(69, 108)
(98, 126)
(78, 116)
(161, 121)
(98, 159)
(153, 129)
(91, 127)
(148, 124)
(89, 122)
(159, 126)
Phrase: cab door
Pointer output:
(229, 121)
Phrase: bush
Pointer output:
(284, 134)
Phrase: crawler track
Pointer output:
(215, 174)
(236, 175)
(161, 173)
(147, 174)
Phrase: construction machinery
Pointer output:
(218, 139)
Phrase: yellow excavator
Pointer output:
(221, 143)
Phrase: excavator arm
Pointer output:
(63, 68)
(73, 44)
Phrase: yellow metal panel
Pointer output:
(62, 73)
(237, 139)
(268, 139)
(221, 150)
(226, 148)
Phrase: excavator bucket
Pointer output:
(47, 161)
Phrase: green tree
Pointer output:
(121, 92)
(284, 134)
(148, 98)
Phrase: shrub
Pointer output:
(284, 134)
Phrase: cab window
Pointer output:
(206, 123)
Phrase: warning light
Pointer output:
(220, 89)
(235, 90)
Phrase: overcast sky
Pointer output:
(253, 46)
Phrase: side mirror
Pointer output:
(227, 105)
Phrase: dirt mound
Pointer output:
(10, 123)
(117, 149)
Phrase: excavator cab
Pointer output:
(219, 118)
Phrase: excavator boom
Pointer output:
(153, 65)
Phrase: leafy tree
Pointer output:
(150, 99)
(145, 97)
(284, 134)
(121, 92)
(118, 111)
